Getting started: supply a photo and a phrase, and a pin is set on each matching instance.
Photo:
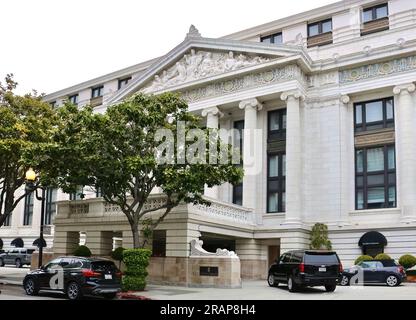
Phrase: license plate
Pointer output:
(108, 276)
(322, 269)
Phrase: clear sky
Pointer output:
(53, 44)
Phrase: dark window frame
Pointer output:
(365, 174)
(74, 99)
(50, 205)
(100, 90)
(362, 127)
(281, 181)
(319, 23)
(237, 196)
(123, 82)
(374, 12)
(272, 38)
(28, 209)
(279, 134)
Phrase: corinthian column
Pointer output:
(212, 114)
(293, 156)
(406, 149)
(252, 151)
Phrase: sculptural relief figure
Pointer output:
(197, 65)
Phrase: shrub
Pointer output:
(382, 256)
(407, 261)
(319, 237)
(82, 251)
(136, 261)
(363, 258)
(117, 255)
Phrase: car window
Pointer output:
(103, 266)
(53, 264)
(296, 257)
(369, 265)
(286, 258)
(320, 258)
(73, 264)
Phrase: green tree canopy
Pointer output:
(25, 122)
(117, 152)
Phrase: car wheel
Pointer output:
(1, 263)
(18, 263)
(330, 287)
(291, 285)
(271, 281)
(109, 296)
(73, 291)
(30, 287)
(392, 281)
(345, 281)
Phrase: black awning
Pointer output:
(39, 243)
(372, 238)
(18, 243)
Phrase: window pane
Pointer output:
(389, 109)
(376, 179)
(374, 111)
(392, 196)
(274, 121)
(392, 178)
(375, 197)
(284, 121)
(391, 158)
(360, 199)
(358, 114)
(277, 38)
(375, 159)
(284, 165)
(266, 39)
(381, 12)
(273, 202)
(273, 186)
(368, 15)
(283, 201)
(360, 181)
(359, 160)
(313, 30)
(273, 166)
(327, 26)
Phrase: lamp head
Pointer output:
(31, 175)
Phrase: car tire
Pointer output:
(1, 263)
(109, 296)
(392, 281)
(31, 288)
(345, 281)
(291, 285)
(330, 287)
(272, 281)
(18, 263)
(73, 291)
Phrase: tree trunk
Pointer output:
(135, 232)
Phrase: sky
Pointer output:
(53, 44)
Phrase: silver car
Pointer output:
(18, 256)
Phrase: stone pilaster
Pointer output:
(406, 149)
(252, 151)
(293, 157)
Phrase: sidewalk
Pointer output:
(12, 275)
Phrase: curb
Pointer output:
(130, 295)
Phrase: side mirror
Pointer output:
(43, 267)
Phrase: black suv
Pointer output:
(75, 276)
(306, 268)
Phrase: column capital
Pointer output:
(344, 98)
(402, 88)
(253, 103)
(213, 111)
(297, 94)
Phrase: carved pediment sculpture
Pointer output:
(202, 64)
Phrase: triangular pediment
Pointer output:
(202, 59)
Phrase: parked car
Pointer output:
(306, 268)
(18, 256)
(79, 276)
(388, 272)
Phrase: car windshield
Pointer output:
(103, 266)
(321, 258)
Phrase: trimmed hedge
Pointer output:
(363, 258)
(117, 254)
(82, 251)
(382, 256)
(136, 261)
(407, 261)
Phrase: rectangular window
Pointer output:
(317, 28)
(51, 195)
(374, 13)
(159, 243)
(97, 92)
(73, 99)
(123, 82)
(375, 177)
(28, 210)
(376, 114)
(273, 38)
(277, 124)
(276, 180)
(238, 143)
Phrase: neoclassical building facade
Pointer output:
(326, 107)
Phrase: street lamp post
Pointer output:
(33, 185)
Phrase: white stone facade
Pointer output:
(238, 77)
